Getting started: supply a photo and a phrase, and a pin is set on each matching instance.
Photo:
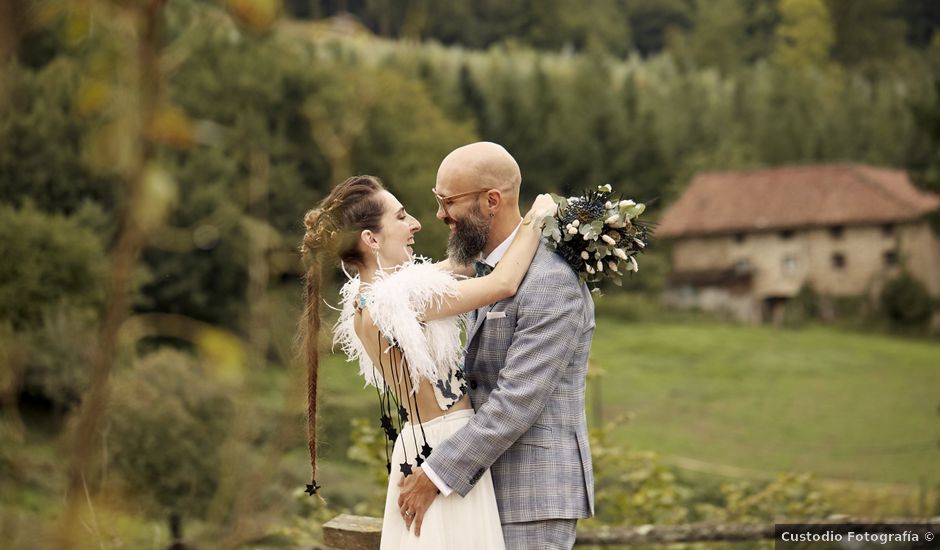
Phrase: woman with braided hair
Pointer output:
(401, 319)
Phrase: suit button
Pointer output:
(473, 384)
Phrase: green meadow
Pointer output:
(760, 400)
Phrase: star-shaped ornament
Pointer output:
(403, 414)
(419, 461)
(386, 422)
(426, 450)
(312, 488)
(405, 468)
(391, 434)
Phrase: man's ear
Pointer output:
(494, 200)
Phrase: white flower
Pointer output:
(606, 187)
(612, 220)
(600, 265)
(613, 266)
(597, 255)
(620, 253)
(633, 264)
(626, 203)
(585, 255)
(572, 230)
(608, 205)
(640, 243)
(608, 239)
(576, 223)
(589, 269)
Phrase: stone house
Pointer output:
(745, 242)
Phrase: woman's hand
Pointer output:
(543, 207)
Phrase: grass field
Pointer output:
(835, 403)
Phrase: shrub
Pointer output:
(906, 302)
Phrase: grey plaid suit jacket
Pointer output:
(526, 372)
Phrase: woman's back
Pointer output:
(428, 402)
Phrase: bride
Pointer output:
(401, 319)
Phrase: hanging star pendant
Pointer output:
(419, 461)
(386, 422)
(391, 434)
(405, 469)
(312, 488)
(403, 414)
(426, 450)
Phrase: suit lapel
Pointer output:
(478, 322)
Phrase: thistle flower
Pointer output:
(608, 239)
(620, 253)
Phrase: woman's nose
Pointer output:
(416, 225)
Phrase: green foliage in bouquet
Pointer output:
(598, 235)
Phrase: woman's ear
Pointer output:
(368, 238)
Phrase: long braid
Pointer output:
(312, 352)
(332, 231)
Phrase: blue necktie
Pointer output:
(482, 268)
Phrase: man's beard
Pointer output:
(469, 238)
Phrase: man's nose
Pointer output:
(440, 214)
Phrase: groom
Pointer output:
(525, 366)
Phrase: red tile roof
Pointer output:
(793, 197)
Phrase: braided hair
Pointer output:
(332, 233)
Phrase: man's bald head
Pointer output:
(481, 165)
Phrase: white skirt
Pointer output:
(452, 522)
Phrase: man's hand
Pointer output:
(417, 494)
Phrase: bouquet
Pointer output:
(598, 235)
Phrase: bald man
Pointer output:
(526, 363)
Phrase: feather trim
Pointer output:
(395, 301)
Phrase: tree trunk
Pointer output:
(176, 533)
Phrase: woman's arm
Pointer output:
(457, 269)
(506, 277)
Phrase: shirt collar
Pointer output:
(497, 254)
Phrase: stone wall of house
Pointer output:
(781, 262)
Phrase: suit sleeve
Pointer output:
(549, 321)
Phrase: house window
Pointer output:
(838, 260)
(786, 234)
(887, 229)
(790, 265)
(739, 237)
(891, 257)
(836, 231)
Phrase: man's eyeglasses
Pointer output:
(443, 201)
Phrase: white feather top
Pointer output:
(433, 349)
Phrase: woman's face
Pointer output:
(397, 235)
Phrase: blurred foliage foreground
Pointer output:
(155, 161)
